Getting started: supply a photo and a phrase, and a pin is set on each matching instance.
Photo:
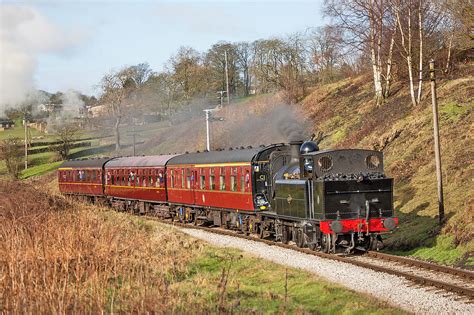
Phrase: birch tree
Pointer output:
(406, 35)
(365, 22)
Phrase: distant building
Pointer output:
(50, 107)
(97, 111)
(6, 124)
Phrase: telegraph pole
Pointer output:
(437, 148)
(25, 123)
(226, 77)
(134, 135)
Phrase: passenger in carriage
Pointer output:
(161, 179)
(247, 179)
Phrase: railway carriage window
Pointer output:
(242, 183)
(188, 178)
(233, 183)
(144, 181)
(172, 179)
(247, 179)
(182, 178)
(211, 182)
(112, 180)
(202, 182)
(222, 181)
(94, 176)
(137, 183)
(150, 181)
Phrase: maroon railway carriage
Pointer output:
(140, 178)
(82, 177)
(233, 179)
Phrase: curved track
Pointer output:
(448, 279)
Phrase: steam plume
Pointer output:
(24, 33)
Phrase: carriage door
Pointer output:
(194, 183)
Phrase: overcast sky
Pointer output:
(73, 43)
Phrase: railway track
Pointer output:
(447, 279)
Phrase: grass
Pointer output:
(40, 169)
(235, 282)
(452, 112)
(60, 256)
(19, 132)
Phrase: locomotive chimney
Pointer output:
(295, 151)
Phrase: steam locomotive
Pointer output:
(330, 200)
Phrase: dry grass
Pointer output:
(56, 258)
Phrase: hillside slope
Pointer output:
(346, 113)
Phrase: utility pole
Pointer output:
(439, 175)
(25, 123)
(133, 134)
(208, 136)
(226, 77)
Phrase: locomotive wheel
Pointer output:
(285, 237)
(299, 238)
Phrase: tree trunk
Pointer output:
(420, 67)
(388, 77)
(448, 59)
(408, 50)
(117, 133)
(375, 63)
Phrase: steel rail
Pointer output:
(423, 264)
(467, 292)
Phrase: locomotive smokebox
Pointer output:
(295, 151)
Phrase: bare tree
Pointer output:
(116, 87)
(66, 132)
(189, 72)
(406, 34)
(326, 51)
(11, 152)
(365, 23)
(244, 61)
(140, 73)
(420, 50)
(215, 60)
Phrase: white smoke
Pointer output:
(72, 103)
(24, 34)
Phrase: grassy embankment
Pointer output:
(58, 256)
(346, 112)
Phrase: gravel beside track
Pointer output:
(395, 290)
